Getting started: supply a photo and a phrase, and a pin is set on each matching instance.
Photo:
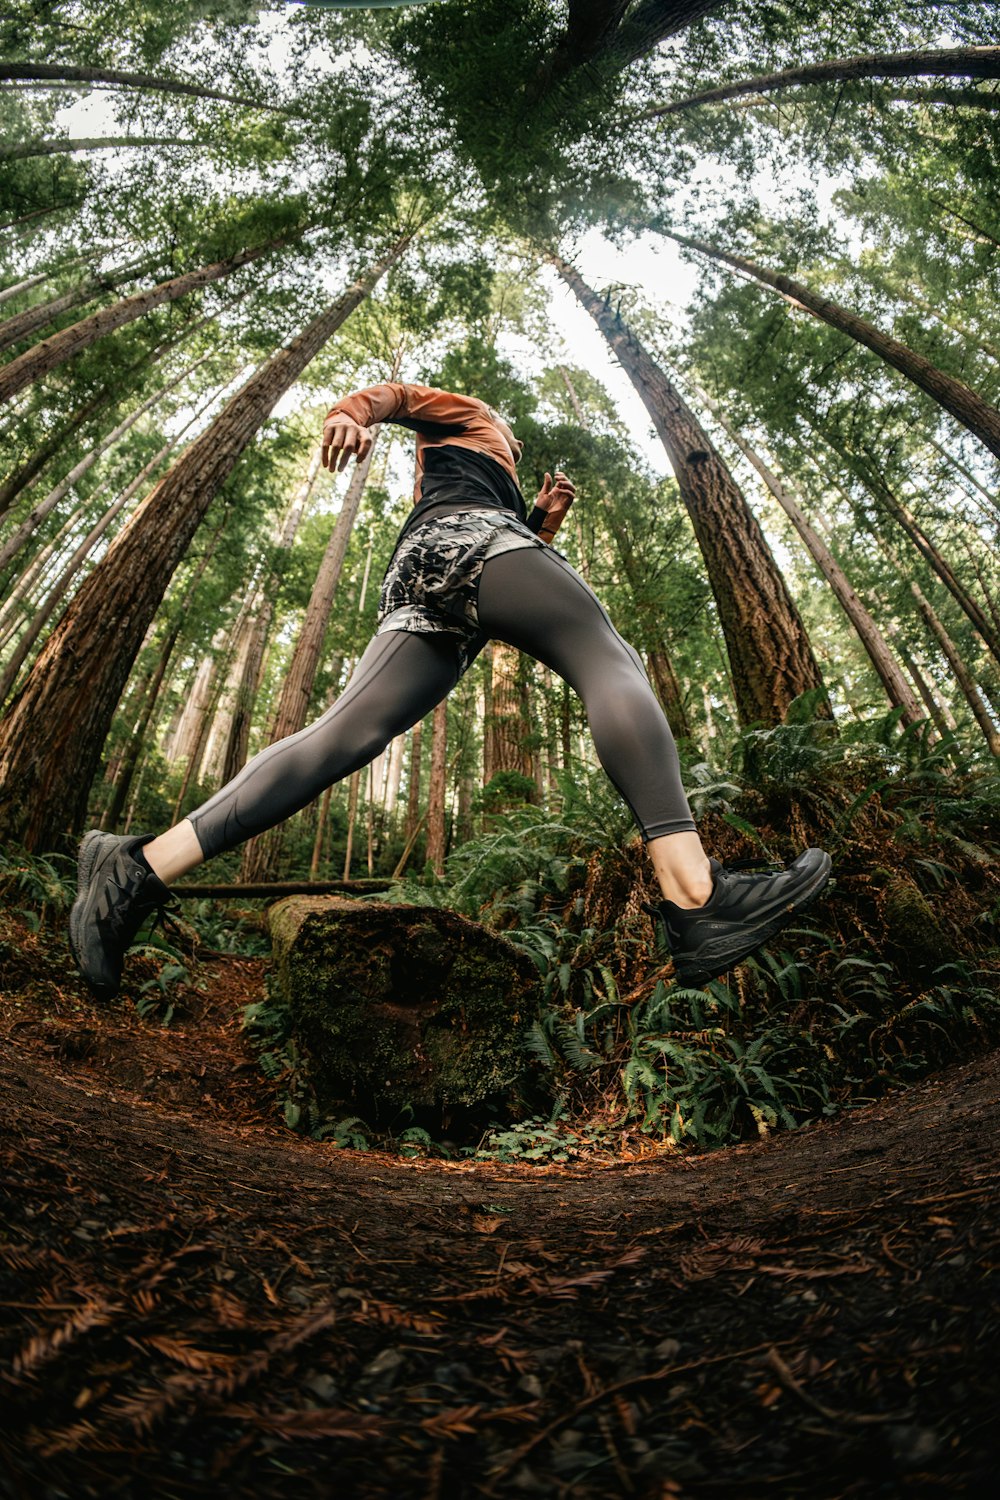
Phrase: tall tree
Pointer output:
(969, 408)
(942, 62)
(436, 825)
(261, 854)
(20, 325)
(770, 658)
(963, 676)
(879, 653)
(55, 351)
(76, 682)
(67, 72)
(250, 653)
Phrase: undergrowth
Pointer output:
(896, 972)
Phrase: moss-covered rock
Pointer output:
(403, 1005)
(912, 932)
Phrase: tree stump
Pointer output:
(404, 1005)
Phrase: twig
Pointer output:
(858, 1418)
(663, 1373)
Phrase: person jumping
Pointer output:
(470, 565)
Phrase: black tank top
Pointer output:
(459, 479)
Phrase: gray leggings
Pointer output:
(530, 598)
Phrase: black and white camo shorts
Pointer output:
(432, 581)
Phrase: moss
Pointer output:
(912, 929)
(402, 1005)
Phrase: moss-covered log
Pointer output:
(403, 1005)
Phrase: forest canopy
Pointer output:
(733, 264)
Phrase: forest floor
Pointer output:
(197, 1302)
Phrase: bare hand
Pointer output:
(555, 497)
(343, 437)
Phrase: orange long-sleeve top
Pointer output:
(441, 419)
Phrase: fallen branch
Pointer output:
(273, 891)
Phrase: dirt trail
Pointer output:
(196, 1302)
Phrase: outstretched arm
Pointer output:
(346, 431)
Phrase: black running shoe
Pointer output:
(115, 894)
(745, 910)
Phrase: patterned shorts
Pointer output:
(432, 582)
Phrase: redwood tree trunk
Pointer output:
(64, 71)
(261, 854)
(908, 523)
(413, 787)
(962, 674)
(28, 283)
(438, 787)
(251, 661)
(668, 690)
(54, 351)
(78, 678)
(880, 655)
(137, 739)
(38, 512)
(508, 727)
(18, 327)
(61, 145)
(950, 62)
(109, 395)
(770, 657)
(964, 404)
(662, 669)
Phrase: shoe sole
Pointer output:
(696, 976)
(89, 850)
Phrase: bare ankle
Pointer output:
(687, 889)
(682, 868)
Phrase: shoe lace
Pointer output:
(766, 866)
(124, 918)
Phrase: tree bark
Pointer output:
(413, 783)
(36, 568)
(915, 532)
(64, 71)
(941, 715)
(507, 727)
(61, 146)
(261, 854)
(137, 740)
(110, 394)
(964, 404)
(877, 647)
(60, 588)
(321, 826)
(28, 283)
(607, 35)
(663, 675)
(53, 352)
(991, 498)
(258, 625)
(76, 682)
(18, 327)
(206, 701)
(38, 513)
(949, 62)
(395, 776)
(438, 787)
(770, 657)
(962, 674)
(352, 816)
(668, 690)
